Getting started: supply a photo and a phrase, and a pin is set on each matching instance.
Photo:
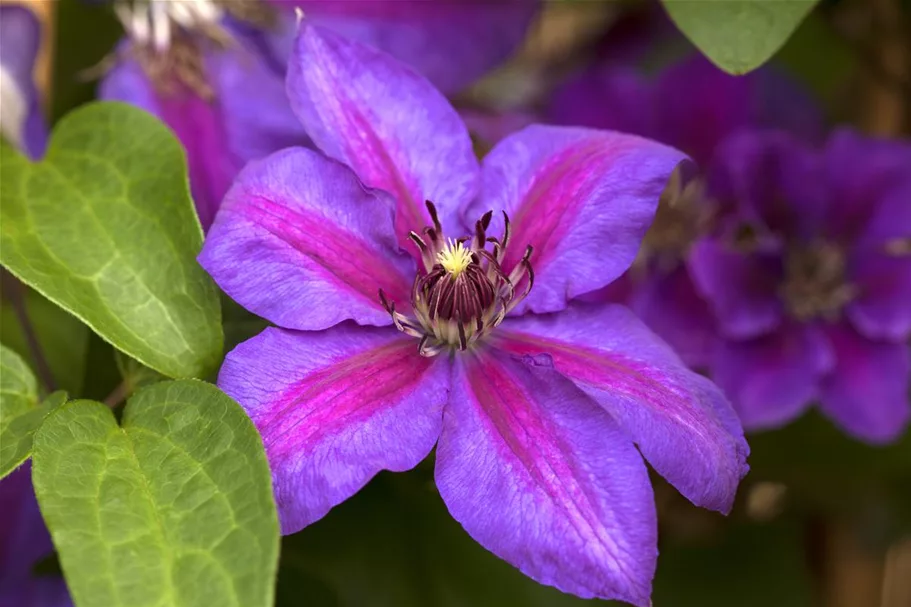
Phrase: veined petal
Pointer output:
(452, 42)
(300, 242)
(22, 122)
(539, 475)
(773, 379)
(582, 198)
(386, 122)
(671, 307)
(740, 287)
(882, 309)
(334, 408)
(867, 391)
(682, 422)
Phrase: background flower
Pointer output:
(810, 280)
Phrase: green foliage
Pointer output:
(104, 226)
(62, 338)
(20, 410)
(173, 508)
(738, 35)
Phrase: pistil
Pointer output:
(462, 292)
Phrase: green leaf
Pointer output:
(63, 339)
(173, 508)
(104, 226)
(738, 35)
(20, 412)
(394, 544)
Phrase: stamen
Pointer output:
(463, 292)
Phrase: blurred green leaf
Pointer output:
(63, 339)
(20, 411)
(738, 35)
(173, 508)
(824, 469)
(105, 227)
(395, 545)
(86, 33)
(747, 565)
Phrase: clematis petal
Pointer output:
(452, 43)
(867, 391)
(248, 116)
(772, 379)
(740, 287)
(22, 122)
(868, 184)
(539, 475)
(774, 181)
(300, 242)
(24, 542)
(251, 91)
(362, 107)
(681, 422)
(882, 309)
(612, 97)
(582, 198)
(671, 307)
(334, 408)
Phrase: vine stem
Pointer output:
(14, 292)
(118, 394)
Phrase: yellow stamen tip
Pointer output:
(454, 258)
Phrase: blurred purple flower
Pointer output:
(810, 279)
(380, 355)
(214, 70)
(24, 542)
(692, 106)
(21, 122)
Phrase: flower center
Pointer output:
(461, 293)
(454, 258)
(170, 37)
(683, 215)
(815, 282)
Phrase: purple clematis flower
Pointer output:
(810, 279)
(24, 542)
(693, 106)
(21, 122)
(213, 70)
(208, 72)
(476, 345)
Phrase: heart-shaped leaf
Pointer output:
(104, 226)
(738, 35)
(20, 411)
(173, 508)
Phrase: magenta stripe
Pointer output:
(337, 397)
(342, 257)
(558, 193)
(609, 372)
(515, 418)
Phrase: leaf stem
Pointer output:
(118, 394)
(14, 291)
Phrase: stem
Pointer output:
(118, 394)
(13, 289)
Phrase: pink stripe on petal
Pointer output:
(582, 198)
(334, 408)
(540, 476)
(386, 122)
(682, 422)
(300, 242)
